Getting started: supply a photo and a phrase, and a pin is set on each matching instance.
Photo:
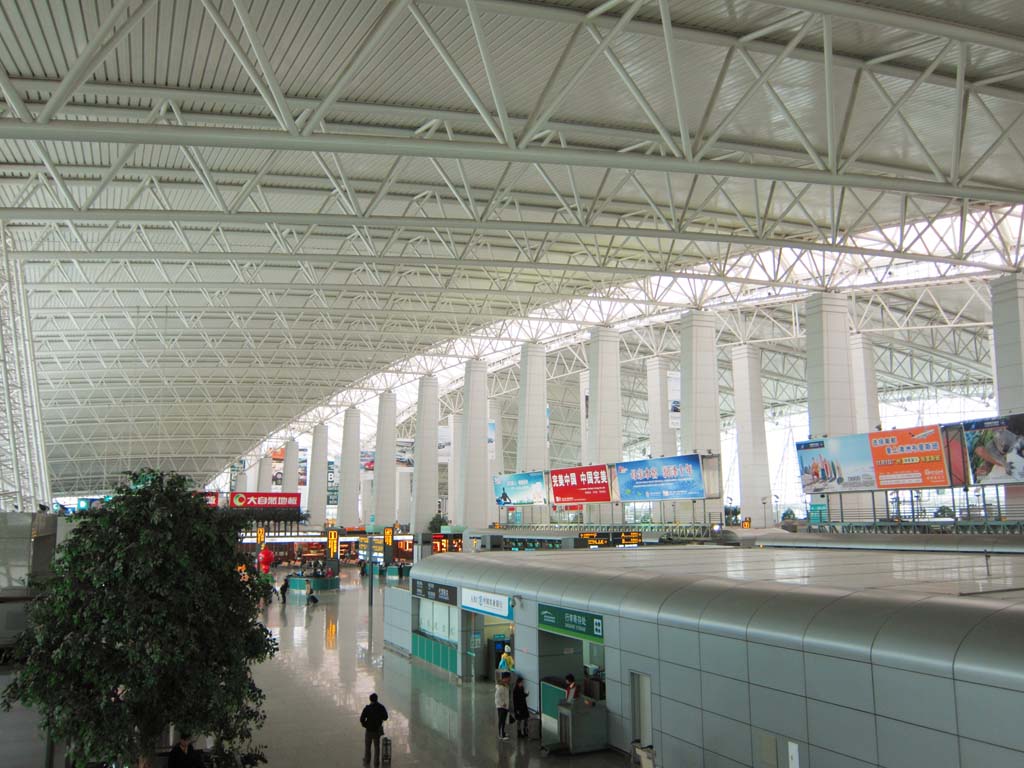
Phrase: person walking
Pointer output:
(284, 590)
(372, 719)
(520, 709)
(501, 701)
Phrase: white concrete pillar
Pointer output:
(700, 423)
(348, 471)
(532, 431)
(864, 384)
(829, 392)
(290, 479)
(403, 496)
(475, 488)
(384, 460)
(1008, 342)
(316, 494)
(584, 418)
(661, 435)
(242, 481)
(604, 431)
(455, 510)
(497, 460)
(424, 471)
(264, 474)
(366, 498)
(752, 445)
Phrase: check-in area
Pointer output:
(747, 656)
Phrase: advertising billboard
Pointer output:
(835, 464)
(237, 500)
(577, 485)
(909, 458)
(995, 450)
(520, 489)
(671, 477)
(877, 461)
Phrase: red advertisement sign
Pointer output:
(580, 484)
(263, 500)
(909, 458)
(212, 498)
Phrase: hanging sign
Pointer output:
(577, 485)
(671, 477)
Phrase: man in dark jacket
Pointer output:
(372, 719)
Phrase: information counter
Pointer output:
(571, 726)
(297, 584)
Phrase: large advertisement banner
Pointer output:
(876, 461)
(520, 489)
(672, 477)
(995, 450)
(578, 485)
(909, 458)
(263, 500)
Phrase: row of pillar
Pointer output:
(842, 398)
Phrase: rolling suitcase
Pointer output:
(385, 750)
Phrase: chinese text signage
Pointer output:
(897, 458)
(487, 602)
(564, 621)
(429, 590)
(580, 484)
(237, 500)
(672, 477)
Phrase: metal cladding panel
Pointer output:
(848, 626)
(610, 595)
(729, 614)
(924, 637)
(782, 620)
(531, 584)
(645, 600)
(990, 654)
(684, 607)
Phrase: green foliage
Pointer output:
(434, 526)
(789, 514)
(145, 623)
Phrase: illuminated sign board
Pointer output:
(570, 623)
(446, 542)
(242, 500)
(332, 543)
(261, 535)
(488, 603)
(440, 593)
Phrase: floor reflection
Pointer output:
(332, 657)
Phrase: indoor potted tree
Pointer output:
(148, 621)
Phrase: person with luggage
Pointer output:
(520, 709)
(507, 663)
(372, 719)
(311, 599)
(502, 702)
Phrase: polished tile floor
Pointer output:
(332, 657)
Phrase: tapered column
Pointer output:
(316, 496)
(474, 483)
(584, 418)
(403, 496)
(496, 452)
(384, 460)
(864, 384)
(604, 431)
(366, 498)
(424, 472)
(455, 510)
(348, 477)
(290, 478)
(699, 417)
(264, 474)
(1008, 343)
(242, 481)
(252, 476)
(829, 392)
(752, 445)
(663, 442)
(531, 435)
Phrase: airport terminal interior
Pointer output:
(665, 355)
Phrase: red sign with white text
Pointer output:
(263, 500)
(580, 484)
(212, 498)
